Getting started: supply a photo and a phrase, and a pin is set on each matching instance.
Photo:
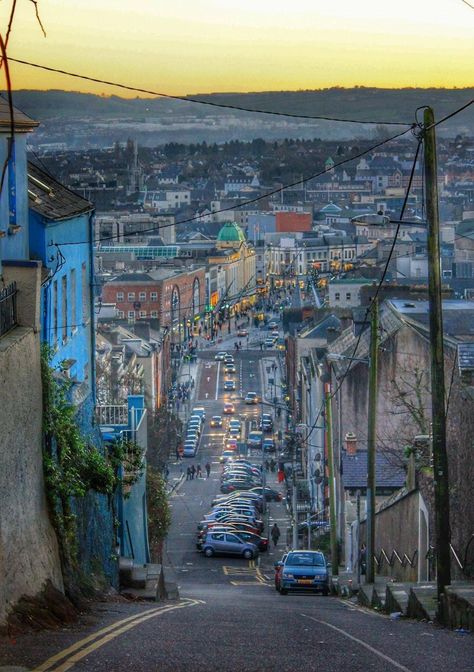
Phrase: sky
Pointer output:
(199, 46)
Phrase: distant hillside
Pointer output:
(158, 119)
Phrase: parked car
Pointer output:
(236, 484)
(272, 325)
(227, 543)
(304, 570)
(200, 411)
(270, 494)
(229, 385)
(276, 334)
(269, 342)
(251, 398)
(254, 439)
(278, 570)
(216, 421)
(220, 356)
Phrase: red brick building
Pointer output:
(172, 295)
(293, 221)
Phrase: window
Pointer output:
(142, 313)
(153, 296)
(217, 536)
(131, 314)
(73, 301)
(131, 296)
(120, 314)
(337, 296)
(154, 313)
(119, 296)
(64, 307)
(233, 538)
(348, 296)
(142, 296)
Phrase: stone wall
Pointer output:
(28, 546)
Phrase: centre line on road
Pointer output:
(217, 380)
(113, 631)
(399, 666)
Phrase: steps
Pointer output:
(149, 582)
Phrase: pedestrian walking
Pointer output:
(177, 454)
(188, 474)
(208, 469)
(198, 471)
(272, 465)
(193, 471)
(166, 473)
(275, 533)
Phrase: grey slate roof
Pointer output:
(22, 121)
(354, 471)
(51, 199)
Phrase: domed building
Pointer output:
(234, 261)
(231, 235)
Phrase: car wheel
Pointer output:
(283, 591)
(208, 552)
(247, 554)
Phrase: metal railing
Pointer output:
(8, 318)
(382, 558)
(112, 414)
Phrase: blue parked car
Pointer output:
(303, 571)
(227, 543)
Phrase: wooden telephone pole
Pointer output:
(372, 441)
(332, 484)
(438, 408)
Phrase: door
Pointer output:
(234, 544)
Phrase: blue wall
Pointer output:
(76, 341)
(14, 201)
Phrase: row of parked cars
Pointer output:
(193, 431)
(234, 525)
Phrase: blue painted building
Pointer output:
(14, 238)
(60, 227)
(129, 421)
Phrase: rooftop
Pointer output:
(51, 199)
(230, 233)
(387, 475)
(22, 121)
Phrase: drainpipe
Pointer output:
(92, 304)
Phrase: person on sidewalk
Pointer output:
(198, 471)
(275, 534)
(208, 469)
(272, 465)
(188, 474)
(193, 471)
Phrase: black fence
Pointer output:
(7, 308)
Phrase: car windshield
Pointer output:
(305, 559)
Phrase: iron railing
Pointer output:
(8, 318)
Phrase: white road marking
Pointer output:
(217, 380)
(359, 641)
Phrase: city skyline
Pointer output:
(200, 47)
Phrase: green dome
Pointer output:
(231, 233)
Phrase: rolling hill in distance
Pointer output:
(87, 120)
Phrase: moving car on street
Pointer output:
(269, 445)
(220, 356)
(227, 456)
(242, 333)
(229, 368)
(229, 408)
(216, 421)
(251, 398)
(254, 439)
(229, 385)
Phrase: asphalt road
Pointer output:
(229, 617)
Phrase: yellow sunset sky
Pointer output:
(196, 46)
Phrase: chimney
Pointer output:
(351, 443)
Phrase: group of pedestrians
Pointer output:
(193, 471)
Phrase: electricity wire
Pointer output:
(209, 103)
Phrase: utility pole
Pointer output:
(371, 440)
(438, 409)
(332, 485)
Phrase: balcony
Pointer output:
(8, 314)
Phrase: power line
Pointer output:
(197, 101)
(250, 201)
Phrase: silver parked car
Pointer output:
(227, 543)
